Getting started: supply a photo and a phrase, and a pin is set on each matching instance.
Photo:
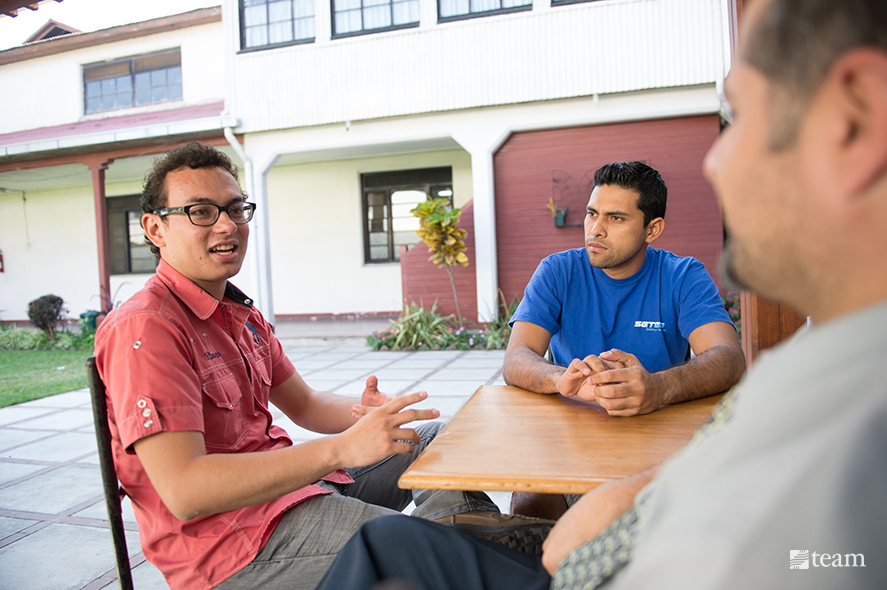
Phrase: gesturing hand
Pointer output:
(629, 390)
(379, 434)
(371, 398)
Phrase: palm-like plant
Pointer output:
(439, 229)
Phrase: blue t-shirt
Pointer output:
(650, 314)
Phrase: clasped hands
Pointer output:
(616, 380)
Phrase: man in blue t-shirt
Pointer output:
(619, 315)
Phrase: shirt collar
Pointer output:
(201, 303)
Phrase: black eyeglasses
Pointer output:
(205, 214)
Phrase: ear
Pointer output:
(155, 229)
(857, 85)
(654, 229)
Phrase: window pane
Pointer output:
(124, 99)
(140, 256)
(303, 8)
(109, 86)
(406, 12)
(255, 15)
(256, 36)
(93, 104)
(347, 22)
(124, 84)
(512, 3)
(93, 88)
(484, 5)
(143, 96)
(143, 80)
(377, 17)
(280, 32)
(158, 94)
(174, 75)
(108, 102)
(174, 92)
(280, 11)
(343, 5)
(158, 78)
(304, 28)
(453, 7)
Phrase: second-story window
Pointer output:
(458, 9)
(133, 81)
(276, 22)
(352, 17)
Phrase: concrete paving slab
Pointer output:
(72, 399)
(479, 376)
(475, 363)
(336, 374)
(35, 562)
(14, 414)
(419, 362)
(311, 364)
(401, 374)
(13, 471)
(100, 512)
(10, 526)
(13, 437)
(64, 447)
(147, 577)
(382, 354)
(53, 492)
(66, 419)
(459, 389)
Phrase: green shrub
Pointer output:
(45, 312)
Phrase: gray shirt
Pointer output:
(800, 465)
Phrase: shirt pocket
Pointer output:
(224, 424)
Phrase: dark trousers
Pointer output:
(411, 553)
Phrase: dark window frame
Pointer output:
(568, 2)
(132, 74)
(483, 13)
(121, 262)
(364, 31)
(431, 180)
(241, 14)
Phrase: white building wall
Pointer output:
(316, 230)
(543, 54)
(48, 91)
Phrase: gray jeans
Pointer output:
(310, 535)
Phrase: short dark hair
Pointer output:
(639, 177)
(795, 42)
(192, 155)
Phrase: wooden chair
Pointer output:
(113, 493)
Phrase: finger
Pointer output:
(358, 410)
(373, 383)
(614, 354)
(580, 366)
(407, 416)
(613, 376)
(399, 403)
(595, 364)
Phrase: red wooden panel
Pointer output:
(425, 282)
(530, 167)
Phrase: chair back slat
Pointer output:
(109, 475)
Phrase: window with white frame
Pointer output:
(459, 9)
(388, 198)
(353, 17)
(133, 81)
(266, 23)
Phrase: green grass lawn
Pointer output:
(26, 375)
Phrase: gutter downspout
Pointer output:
(260, 251)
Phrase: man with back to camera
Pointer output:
(619, 316)
(222, 497)
(786, 489)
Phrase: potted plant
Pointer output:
(559, 213)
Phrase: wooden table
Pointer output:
(509, 439)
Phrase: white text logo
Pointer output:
(800, 559)
(650, 326)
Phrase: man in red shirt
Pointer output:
(222, 496)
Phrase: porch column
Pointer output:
(101, 225)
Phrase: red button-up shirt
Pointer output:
(173, 358)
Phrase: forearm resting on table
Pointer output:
(192, 483)
(712, 371)
(593, 513)
(526, 369)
